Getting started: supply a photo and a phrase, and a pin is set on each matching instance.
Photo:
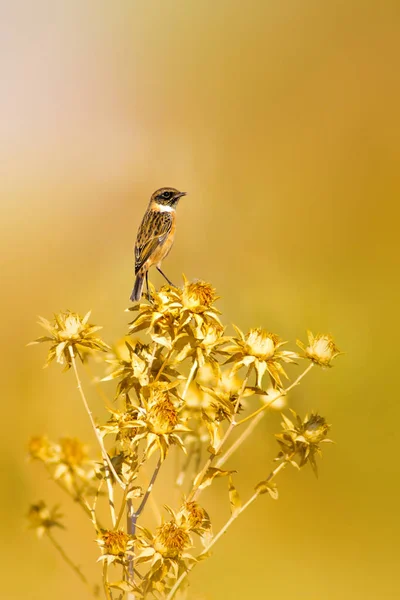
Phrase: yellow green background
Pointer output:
(281, 121)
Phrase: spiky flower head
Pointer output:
(172, 540)
(70, 335)
(321, 349)
(261, 344)
(260, 350)
(40, 448)
(156, 419)
(193, 517)
(302, 439)
(116, 546)
(42, 519)
(162, 416)
(198, 296)
(73, 452)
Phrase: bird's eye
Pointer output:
(166, 195)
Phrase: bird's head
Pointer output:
(167, 196)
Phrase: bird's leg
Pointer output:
(165, 277)
(147, 287)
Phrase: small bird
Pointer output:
(155, 237)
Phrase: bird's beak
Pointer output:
(181, 194)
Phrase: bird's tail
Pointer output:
(138, 287)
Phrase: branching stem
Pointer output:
(89, 412)
(223, 530)
(283, 393)
(199, 479)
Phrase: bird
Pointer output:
(155, 237)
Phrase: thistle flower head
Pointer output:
(116, 546)
(321, 349)
(162, 416)
(192, 516)
(261, 344)
(260, 350)
(302, 438)
(40, 448)
(73, 452)
(315, 429)
(41, 518)
(198, 295)
(69, 333)
(171, 540)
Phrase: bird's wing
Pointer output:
(153, 231)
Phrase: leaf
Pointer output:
(210, 475)
(234, 499)
(287, 421)
(135, 492)
(265, 487)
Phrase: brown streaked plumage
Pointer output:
(155, 236)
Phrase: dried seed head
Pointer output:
(115, 543)
(73, 452)
(321, 349)
(261, 343)
(40, 448)
(163, 416)
(70, 333)
(41, 518)
(315, 429)
(171, 540)
(193, 514)
(196, 294)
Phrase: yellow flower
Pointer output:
(73, 462)
(192, 516)
(116, 546)
(70, 334)
(40, 448)
(198, 295)
(260, 350)
(321, 349)
(73, 452)
(302, 439)
(162, 416)
(41, 518)
(171, 540)
(157, 419)
(315, 429)
(261, 344)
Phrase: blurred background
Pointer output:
(281, 120)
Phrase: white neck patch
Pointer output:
(165, 208)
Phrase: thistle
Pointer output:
(180, 380)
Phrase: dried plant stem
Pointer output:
(255, 418)
(223, 530)
(132, 517)
(89, 412)
(110, 494)
(122, 508)
(105, 581)
(164, 364)
(199, 479)
(283, 393)
(248, 431)
(190, 378)
(67, 559)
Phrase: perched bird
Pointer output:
(155, 236)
